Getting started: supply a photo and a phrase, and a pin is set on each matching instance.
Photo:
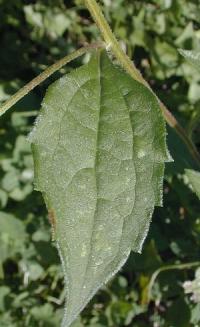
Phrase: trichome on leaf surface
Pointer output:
(99, 147)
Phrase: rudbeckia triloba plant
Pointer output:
(99, 149)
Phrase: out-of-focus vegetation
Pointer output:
(34, 34)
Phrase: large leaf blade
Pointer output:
(99, 151)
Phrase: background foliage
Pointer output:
(34, 34)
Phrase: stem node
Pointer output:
(131, 69)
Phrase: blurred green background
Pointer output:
(33, 35)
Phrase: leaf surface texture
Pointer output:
(99, 148)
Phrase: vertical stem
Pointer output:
(111, 40)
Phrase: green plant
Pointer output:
(141, 93)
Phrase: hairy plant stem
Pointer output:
(45, 74)
(166, 268)
(130, 67)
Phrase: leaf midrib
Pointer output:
(95, 165)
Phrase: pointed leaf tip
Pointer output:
(99, 149)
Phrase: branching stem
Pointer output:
(166, 268)
(44, 75)
(125, 61)
(130, 67)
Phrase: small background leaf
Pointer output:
(194, 179)
(192, 57)
(12, 236)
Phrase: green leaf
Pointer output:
(192, 57)
(195, 315)
(194, 179)
(35, 270)
(44, 315)
(43, 19)
(99, 150)
(4, 291)
(12, 236)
